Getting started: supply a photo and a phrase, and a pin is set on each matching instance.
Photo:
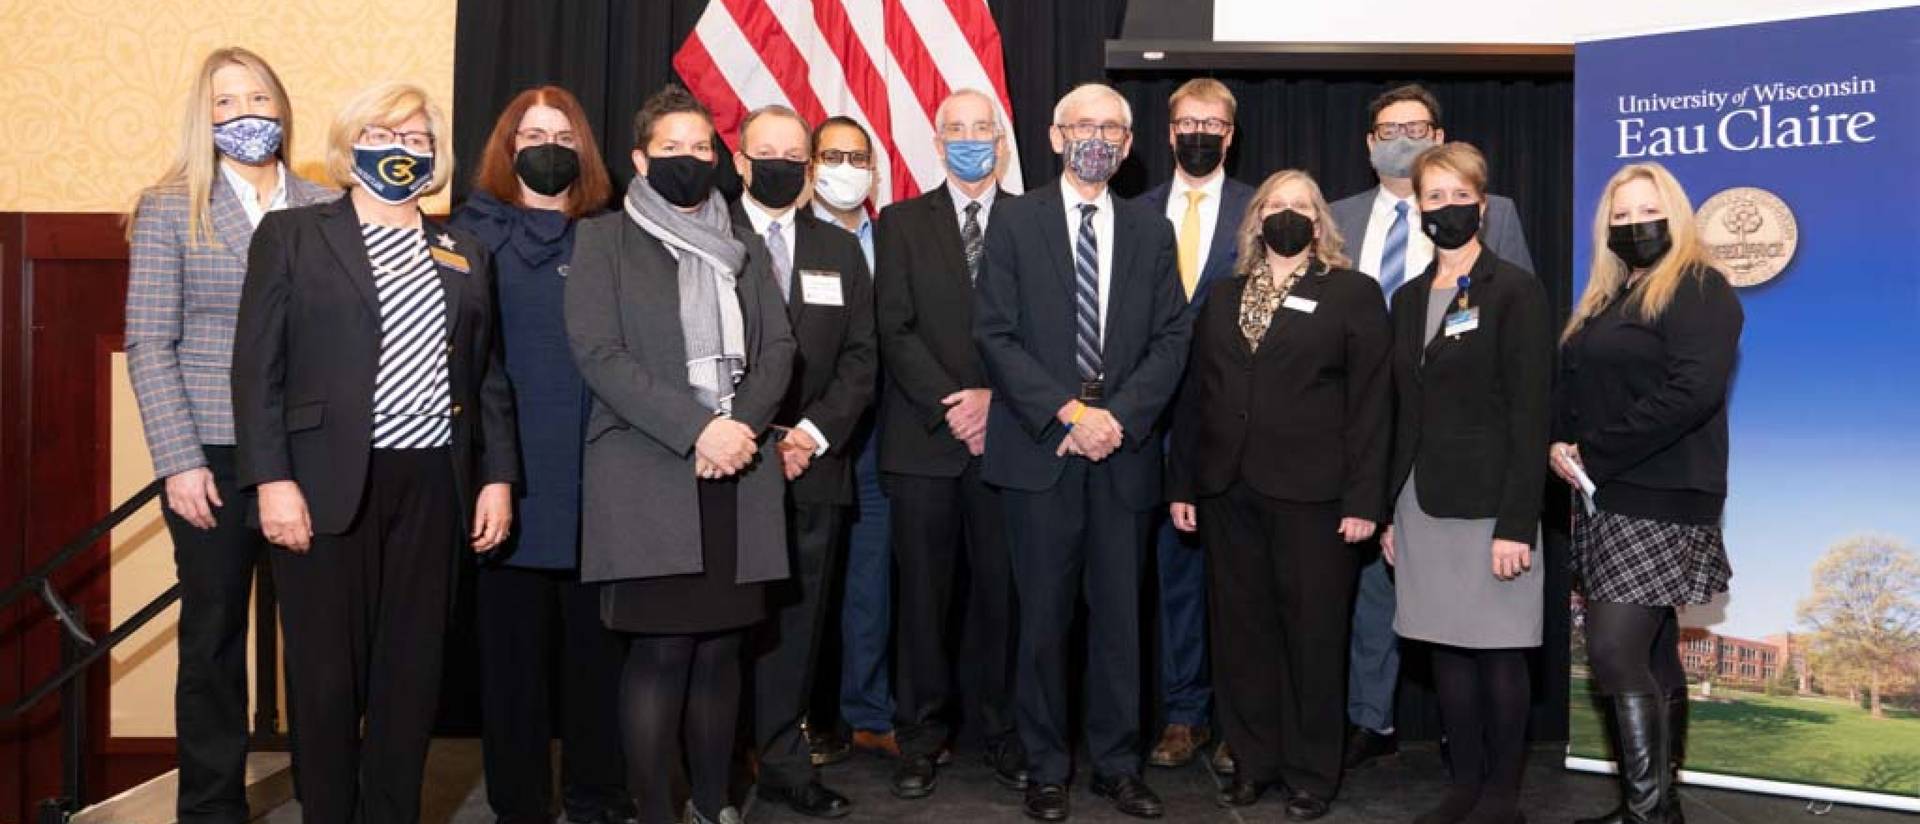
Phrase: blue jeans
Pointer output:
(866, 618)
(1185, 689)
(1373, 654)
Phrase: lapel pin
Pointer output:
(446, 241)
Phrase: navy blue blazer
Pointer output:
(1223, 252)
(1023, 323)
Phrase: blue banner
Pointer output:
(1799, 144)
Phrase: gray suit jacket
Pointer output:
(1500, 232)
(182, 301)
(639, 497)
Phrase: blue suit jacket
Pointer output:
(1223, 252)
(1023, 324)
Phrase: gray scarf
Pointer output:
(710, 263)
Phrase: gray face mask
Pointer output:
(1394, 158)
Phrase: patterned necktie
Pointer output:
(1086, 271)
(1190, 242)
(1393, 259)
(782, 265)
(974, 240)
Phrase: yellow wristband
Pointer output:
(1077, 413)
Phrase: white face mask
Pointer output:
(842, 186)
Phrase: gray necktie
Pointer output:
(974, 240)
(782, 262)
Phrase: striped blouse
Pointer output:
(411, 396)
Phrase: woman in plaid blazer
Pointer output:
(190, 234)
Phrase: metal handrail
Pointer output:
(38, 577)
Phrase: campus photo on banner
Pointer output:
(1798, 143)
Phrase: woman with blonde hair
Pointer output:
(377, 430)
(1279, 459)
(190, 233)
(1641, 408)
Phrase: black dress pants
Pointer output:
(215, 567)
(786, 649)
(934, 521)
(364, 615)
(1078, 540)
(519, 649)
(1281, 584)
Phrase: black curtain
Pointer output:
(613, 53)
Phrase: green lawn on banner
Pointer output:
(1803, 740)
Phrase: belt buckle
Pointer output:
(1093, 391)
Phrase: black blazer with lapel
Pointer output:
(1221, 251)
(834, 366)
(1305, 418)
(1473, 408)
(307, 350)
(924, 316)
(1023, 323)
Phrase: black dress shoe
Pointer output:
(812, 799)
(1243, 792)
(915, 777)
(1304, 806)
(625, 814)
(1130, 795)
(1046, 802)
(1365, 746)
(1009, 763)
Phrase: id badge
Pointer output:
(821, 288)
(1461, 322)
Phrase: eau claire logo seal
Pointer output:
(1749, 233)
(397, 170)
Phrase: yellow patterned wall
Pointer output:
(91, 91)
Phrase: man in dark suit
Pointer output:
(1205, 207)
(1381, 227)
(933, 423)
(1083, 330)
(823, 274)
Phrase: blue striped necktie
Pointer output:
(1393, 259)
(1086, 271)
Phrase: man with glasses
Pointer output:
(1381, 227)
(1083, 329)
(933, 421)
(1205, 207)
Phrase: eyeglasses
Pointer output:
(1209, 125)
(977, 130)
(835, 157)
(541, 137)
(382, 136)
(1416, 129)
(1087, 128)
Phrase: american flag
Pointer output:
(884, 63)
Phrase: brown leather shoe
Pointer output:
(876, 743)
(1223, 763)
(1178, 744)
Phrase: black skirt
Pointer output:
(1626, 560)
(707, 601)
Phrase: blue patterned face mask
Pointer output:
(250, 139)
(971, 160)
(1093, 160)
(392, 174)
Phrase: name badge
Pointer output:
(819, 288)
(452, 260)
(1300, 304)
(1462, 322)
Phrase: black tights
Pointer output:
(1634, 649)
(669, 678)
(1484, 698)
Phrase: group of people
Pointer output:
(673, 428)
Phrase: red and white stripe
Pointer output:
(884, 63)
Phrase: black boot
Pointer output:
(1640, 737)
(1676, 752)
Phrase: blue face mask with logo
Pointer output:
(970, 160)
(392, 174)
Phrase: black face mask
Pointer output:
(777, 182)
(1450, 227)
(684, 180)
(1640, 245)
(548, 168)
(1199, 153)
(1286, 232)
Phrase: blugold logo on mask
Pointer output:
(1749, 233)
(398, 170)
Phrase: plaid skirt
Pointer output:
(1626, 560)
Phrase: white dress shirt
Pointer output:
(1373, 247)
(960, 201)
(1209, 212)
(250, 197)
(757, 215)
(1102, 236)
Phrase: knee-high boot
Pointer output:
(1641, 738)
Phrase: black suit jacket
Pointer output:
(1472, 409)
(834, 366)
(1024, 325)
(924, 314)
(1305, 418)
(307, 349)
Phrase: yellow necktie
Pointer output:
(1190, 243)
